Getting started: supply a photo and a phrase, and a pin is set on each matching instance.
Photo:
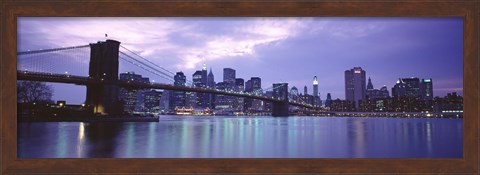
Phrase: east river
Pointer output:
(245, 137)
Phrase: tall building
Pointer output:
(199, 81)
(305, 92)
(239, 102)
(222, 103)
(229, 80)
(210, 80)
(328, 102)
(355, 85)
(315, 86)
(239, 85)
(152, 101)
(413, 87)
(257, 105)
(294, 93)
(426, 88)
(132, 98)
(178, 97)
(256, 83)
(383, 92)
(316, 95)
(204, 75)
(369, 85)
(229, 77)
(248, 86)
(164, 101)
(211, 85)
(372, 93)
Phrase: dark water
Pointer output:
(246, 137)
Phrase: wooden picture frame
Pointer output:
(10, 10)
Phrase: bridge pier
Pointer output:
(280, 91)
(280, 109)
(104, 67)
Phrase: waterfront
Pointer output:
(245, 137)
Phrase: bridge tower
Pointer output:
(104, 66)
(280, 90)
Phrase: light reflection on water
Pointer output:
(245, 137)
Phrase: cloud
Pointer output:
(242, 40)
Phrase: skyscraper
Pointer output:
(369, 85)
(316, 96)
(355, 85)
(426, 88)
(305, 92)
(407, 87)
(372, 93)
(179, 97)
(198, 81)
(239, 102)
(229, 77)
(210, 79)
(257, 87)
(204, 75)
(256, 83)
(210, 84)
(328, 102)
(294, 93)
(229, 80)
(152, 101)
(413, 87)
(315, 86)
(223, 104)
(132, 99)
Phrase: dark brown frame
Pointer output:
(469, 10)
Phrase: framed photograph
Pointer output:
(240, 87)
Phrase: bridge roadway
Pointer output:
(81, 80)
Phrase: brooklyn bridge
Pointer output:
(102, 82)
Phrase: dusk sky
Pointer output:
(289, 50)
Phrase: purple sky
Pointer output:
(289, 50)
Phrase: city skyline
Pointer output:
(269, 48)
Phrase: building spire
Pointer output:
(369, 85)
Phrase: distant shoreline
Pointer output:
(128, 118)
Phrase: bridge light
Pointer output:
(83, 105)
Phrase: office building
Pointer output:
(211, 85)
(328, 102)
(239, 102)
(152, 101)
(426, 89)
(413, 87)
(316, 96)
(257, 105)
(229, 77)
(132, 98)
(178, 97)
(199, 80)
(294, 93)
(355, 83)
(373, 93)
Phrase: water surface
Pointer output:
(245, 137)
